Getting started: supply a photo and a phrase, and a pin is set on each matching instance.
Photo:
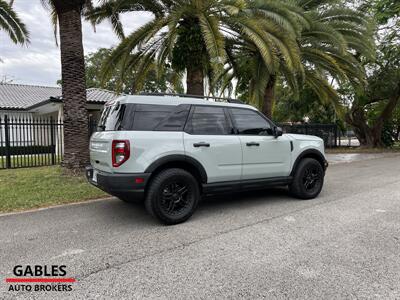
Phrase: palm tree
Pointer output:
(191, 35)
(329, 38)
(66, 16)
(12, 24)
(332, 45)
(153, 82)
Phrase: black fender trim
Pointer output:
(310, 153)
(178, 158)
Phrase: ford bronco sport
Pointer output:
(168, 151)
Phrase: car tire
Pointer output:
(308, 179)
(172, 196)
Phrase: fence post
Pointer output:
(336, 134)
(7, 140)
(53, 146)
(89, 125)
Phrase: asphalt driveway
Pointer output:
(344, 244)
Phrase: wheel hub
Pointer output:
(174, 197)
(311, 176)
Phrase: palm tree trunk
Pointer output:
(269, 98)
(76, 141)
(195, 81)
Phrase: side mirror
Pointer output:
(278, 131)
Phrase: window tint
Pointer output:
(250, 122)
(144, 117)
(176, 120)
(147, 117)
(111, 117)
(208, 120)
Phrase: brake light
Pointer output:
(120, 152)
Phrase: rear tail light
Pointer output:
(120, 152)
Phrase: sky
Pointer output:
(38, 62)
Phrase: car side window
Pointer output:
(176, 120)
(249, 122)
(207, 120)
(149, 117)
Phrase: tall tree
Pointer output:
(192, 35)
(326, 42)
(382, 92)
(306, 108)
(67, 15)
(11, 24)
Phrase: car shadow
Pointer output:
(246, 198)
(134, 214)
(119, 213)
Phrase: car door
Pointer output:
(264, 155)
(209, 138)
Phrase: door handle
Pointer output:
(252, 144)
(201, 144)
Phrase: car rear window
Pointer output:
(111, 117)
(144, 117)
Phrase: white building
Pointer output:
(27, 103)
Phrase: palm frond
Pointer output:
(213, 38)
(322, 60)
(325, 92)
(12, 25)
(322, 33)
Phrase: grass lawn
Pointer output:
(43, 186)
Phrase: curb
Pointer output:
(54, 206)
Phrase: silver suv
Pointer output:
(168, 151)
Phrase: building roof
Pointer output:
(23, 97)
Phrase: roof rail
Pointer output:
(218, 99)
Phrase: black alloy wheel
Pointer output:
(172, 196)
(311, 177)
(308, 179)
(175, 197)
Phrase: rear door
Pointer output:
(264, 156)
(209, 138)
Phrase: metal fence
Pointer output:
(30, 142)
(328, 132)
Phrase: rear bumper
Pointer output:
(129, 186)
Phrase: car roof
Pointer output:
(176, 100)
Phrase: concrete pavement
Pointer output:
(344, 244)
